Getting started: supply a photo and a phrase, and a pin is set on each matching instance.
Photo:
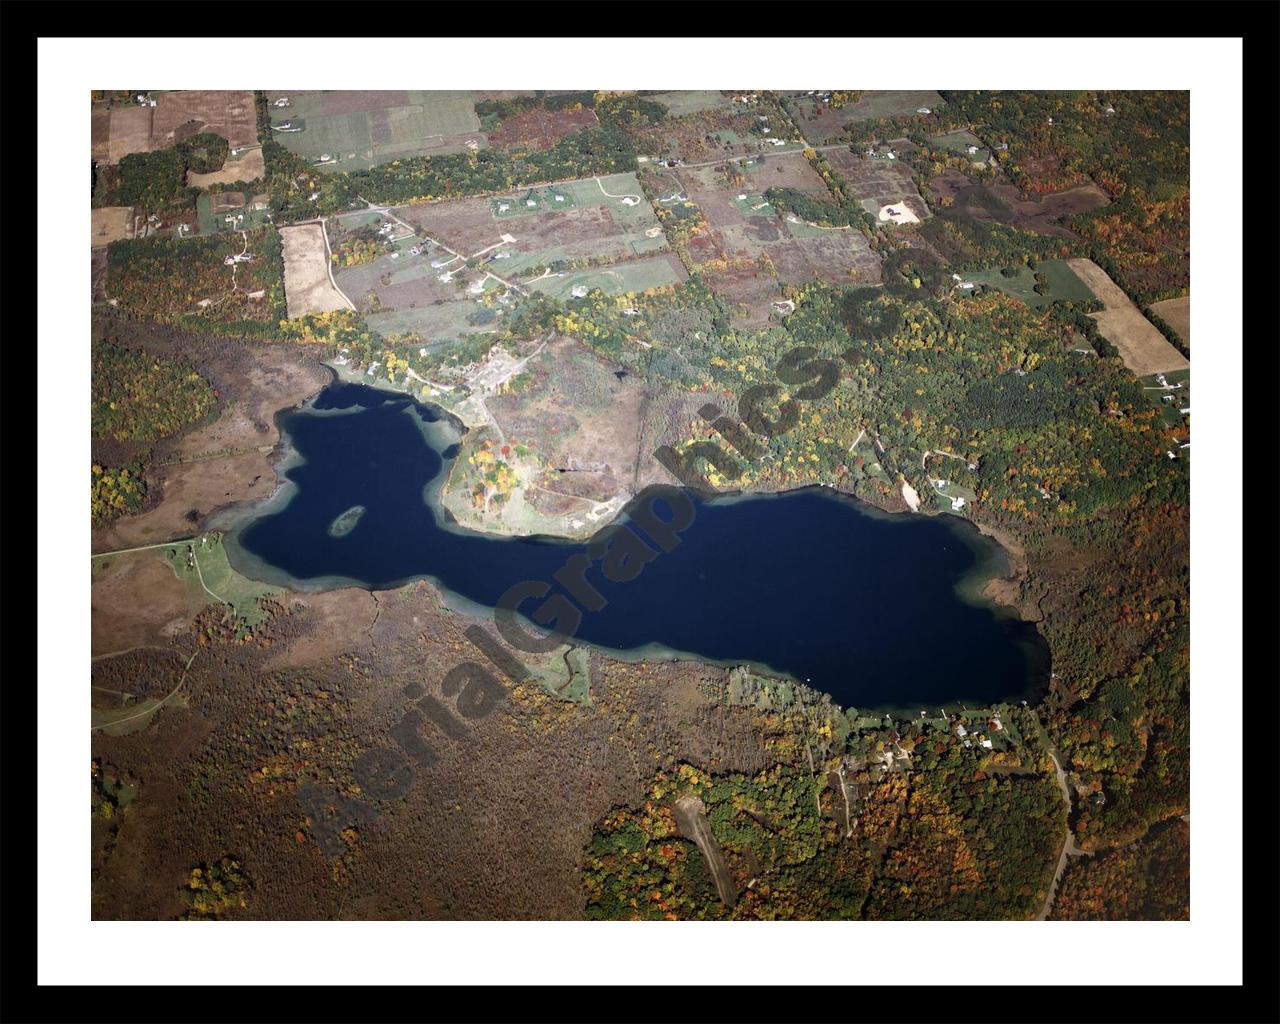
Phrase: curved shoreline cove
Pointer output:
(879, 610)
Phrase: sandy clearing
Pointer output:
(307, 287)
(910, 496)
(1143, 349)
(1177, 314)
(898, 213)
(246, 167)
(111, 223)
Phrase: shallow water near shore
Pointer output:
(879, 610)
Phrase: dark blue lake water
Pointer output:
(866, 606)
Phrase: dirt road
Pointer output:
(691, 818)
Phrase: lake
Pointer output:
(879, 610)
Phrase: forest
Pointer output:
(162, 278)
(941, 839)
(156, 182)
(1146, 881)
(599, 149)
(1134, 145)
(138, 397)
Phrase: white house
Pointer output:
(579, 291)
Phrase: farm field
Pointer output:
(359, 130)
(1004, 203)
(306, 276)
(821, 124)
(1177, 314)
(118, 129)
(1143, 349)
(1062, 282)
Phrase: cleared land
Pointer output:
(1061, 279)
(361, 129)
(1177, 314)
(136, 600)
(820, 123)
(691, 101)
(1004, 203)
(540, 128)
(307, 287)
(246, 167)
(747, 251)
(1143, 349)
(877, 182)
(634, 276)
(111, 223)
(124, 128)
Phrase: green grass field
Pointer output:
(754, 205)
(691, 101)
(894, 103)
(209, 577)
(637, 276)
(364, 139)
(572, 681)
(958, 143)
(430, 323)
(1063, 283)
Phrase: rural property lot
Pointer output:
(122, 128)
(307, 287)
(111, 223)
(877, 182)
(1177, 314)
(246, 167)
(1143, 349)
(531, 237)
(738, 234)
(606, 219)
(1062, 282)
(1004, 203)
(692, 101)
(359, 130)
(821, 124)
